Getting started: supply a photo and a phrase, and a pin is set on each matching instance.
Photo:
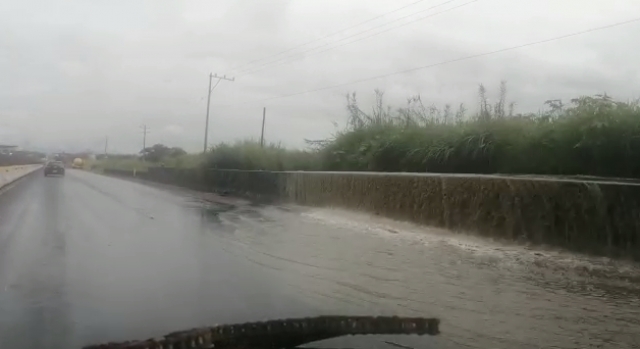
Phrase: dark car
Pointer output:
(54, 167)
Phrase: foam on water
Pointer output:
(502, 254)
(491, 293)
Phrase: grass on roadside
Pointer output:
(595, 136)
(250, 155)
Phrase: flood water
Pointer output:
(89, 258)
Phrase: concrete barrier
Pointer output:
(593, 216)
(9, 174)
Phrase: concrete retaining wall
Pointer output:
(9, 174)
(599, 217)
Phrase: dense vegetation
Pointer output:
(587, 136)
(591, 136)
(154, 156)
(250, 155)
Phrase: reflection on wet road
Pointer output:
(89, 258)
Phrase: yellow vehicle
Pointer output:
(77, 163)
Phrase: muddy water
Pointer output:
(488, 295)
(88, 259)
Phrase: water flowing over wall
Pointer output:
(592, 216)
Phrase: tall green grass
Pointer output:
(589, 135)
(118, 163)
(250, 155)
(130, 162)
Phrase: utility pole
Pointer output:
(144, 136)
(145, 130)
(264, 114)
(206, 127)
(106, 142)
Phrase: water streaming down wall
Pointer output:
(599, 217)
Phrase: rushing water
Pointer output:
(488, 295)
(88, 259)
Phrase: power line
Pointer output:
(304, 53)
(328, 35)
(617, 24)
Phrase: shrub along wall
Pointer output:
(587, 216)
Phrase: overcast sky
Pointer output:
(74, 72)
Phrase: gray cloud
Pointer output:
(74, 72)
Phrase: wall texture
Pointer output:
(9, 174)
(599, 217)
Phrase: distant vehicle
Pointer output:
(77, 163)
(54, 167)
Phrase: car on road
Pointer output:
(54, 167)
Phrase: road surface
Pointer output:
(89, 258)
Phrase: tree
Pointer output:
(177, 151)
(158, 152)
(155, 153)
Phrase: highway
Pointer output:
(89, 258)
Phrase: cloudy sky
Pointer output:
(74, 72)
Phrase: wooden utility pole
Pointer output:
(145, 130)
(206, 127)
(264, 115)
(106, 142)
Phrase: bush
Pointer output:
(130, 162)
(590, 136)
(250, 155)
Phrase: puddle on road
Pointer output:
(506, 295)
(535, 297)
(225, 216)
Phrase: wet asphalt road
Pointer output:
(90, 258)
